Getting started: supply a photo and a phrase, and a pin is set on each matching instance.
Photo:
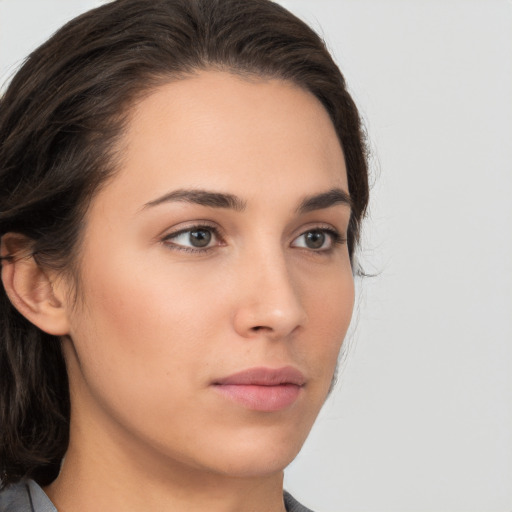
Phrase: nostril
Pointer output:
(259, 328)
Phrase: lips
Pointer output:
(262, 389)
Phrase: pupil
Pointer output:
(315, 239)
(200, 237)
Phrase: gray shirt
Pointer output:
(27, 496)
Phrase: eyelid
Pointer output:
(189, 226)
(335, 235)
(319, 226)
(166, 239)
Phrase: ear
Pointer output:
(37, 294)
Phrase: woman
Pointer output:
(182, 184)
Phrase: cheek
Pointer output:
(162, 322)
(141, 322)
(329, 309)
(143, 344)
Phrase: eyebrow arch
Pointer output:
(201, 197)
(325, 200)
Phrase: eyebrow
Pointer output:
(223, 200)
(325, 200)
(202, 197)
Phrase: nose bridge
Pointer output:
(271, 301)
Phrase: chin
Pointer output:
(257, 464)
(257, 452)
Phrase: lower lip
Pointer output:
(261, 398)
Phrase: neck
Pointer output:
(105, 470)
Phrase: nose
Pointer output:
(269, 303)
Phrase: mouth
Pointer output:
(263, 389)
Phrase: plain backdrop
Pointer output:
(421, 419)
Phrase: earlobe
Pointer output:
(30, 289)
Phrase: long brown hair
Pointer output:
(59, 122)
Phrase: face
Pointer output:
(216, 285)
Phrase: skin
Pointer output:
(156, 324)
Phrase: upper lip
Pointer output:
(263, 376)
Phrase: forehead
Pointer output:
(220, 131)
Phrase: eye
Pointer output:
(318, 239)
(193, 239)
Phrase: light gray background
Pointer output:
(422, 417)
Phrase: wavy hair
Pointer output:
(60, 119)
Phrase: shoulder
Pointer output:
(292, 505)
(15, 498)
(25, 496)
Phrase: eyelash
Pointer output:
(167, 240)
(334, 235)
(336, 239)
